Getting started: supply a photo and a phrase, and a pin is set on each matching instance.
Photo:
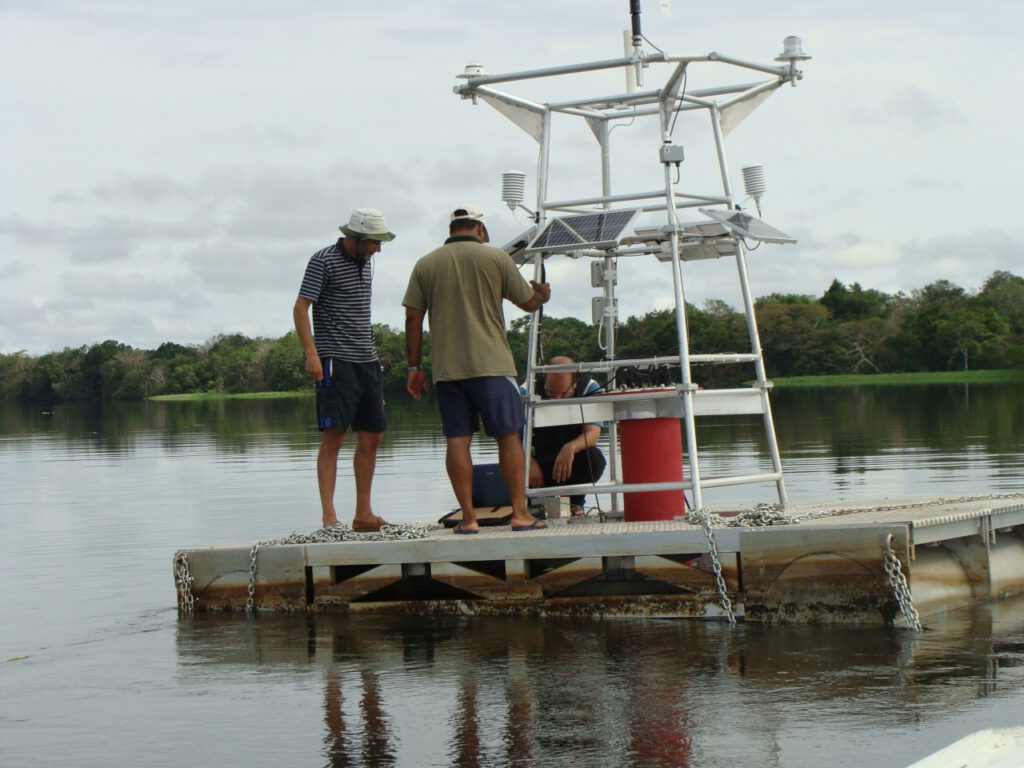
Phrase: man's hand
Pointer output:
(416, 384)
(314, 367)
(544, 289)
(563, 464)
(541, 294)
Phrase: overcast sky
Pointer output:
(166, 169)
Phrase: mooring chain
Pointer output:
(901, 589)
(334, 533)
(705, 520)
(183, 582)
(341, 532)
(775, 514)
(762, 514)
(251, 587)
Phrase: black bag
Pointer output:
(491, 499)
(489, 489)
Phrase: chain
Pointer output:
(898, 582)
(334, 533)
(183, 582)
(251, 588)
(775, 514)
(341, 532)
(704, 519)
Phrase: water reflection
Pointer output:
(236, 426)
(370, 743)
(844, 421)
(934, 416)
(441, 691)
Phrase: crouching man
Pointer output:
(567, 454)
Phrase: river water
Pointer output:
(97, 669)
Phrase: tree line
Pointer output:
(848, 329)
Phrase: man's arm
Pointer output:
(541, 295)
(587, 439)
(300, 314)
(563, 462)
(416, 380)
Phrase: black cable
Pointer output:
(606, 387)
(540, 316)
(675, 114)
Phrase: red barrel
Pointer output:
(652, 452)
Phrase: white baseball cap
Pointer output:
(368, 223)
(470, 213)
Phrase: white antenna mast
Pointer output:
(638, 51)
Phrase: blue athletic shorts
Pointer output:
(350, 396)
(495, 399)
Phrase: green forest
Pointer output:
(846, 330)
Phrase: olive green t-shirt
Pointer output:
(461, 285)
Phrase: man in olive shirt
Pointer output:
(461, 286)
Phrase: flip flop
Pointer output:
(538, 525)
(463, 531)
(370, 527)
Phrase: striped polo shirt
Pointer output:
(340, 287)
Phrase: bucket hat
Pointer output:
(368, 223)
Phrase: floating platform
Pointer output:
(828, 567)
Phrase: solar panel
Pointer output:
(588, 230)
(745, 225)
(516, 247)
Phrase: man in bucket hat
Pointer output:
(342, 358)
(461, 286)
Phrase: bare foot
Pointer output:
(369, 524)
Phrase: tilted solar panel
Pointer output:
(585, 230)
(744, 225)
(516, 247)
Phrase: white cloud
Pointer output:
(923, 110)
(176, 165)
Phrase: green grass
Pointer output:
(194, 396)
(926, 377)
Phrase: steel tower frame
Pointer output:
(726, 106)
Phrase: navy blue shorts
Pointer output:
(495, 399)
(350, 396)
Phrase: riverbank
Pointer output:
(198, 396)
(923, 377)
